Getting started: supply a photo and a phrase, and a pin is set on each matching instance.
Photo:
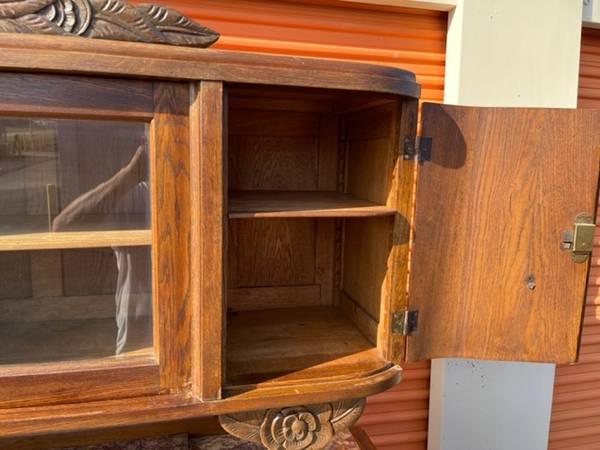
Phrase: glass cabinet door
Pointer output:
(75, 265)
(95, 296)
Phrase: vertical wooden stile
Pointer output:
(327, 181)
(401, 198)
(208, 241)
(170, 182)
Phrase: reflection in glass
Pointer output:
(59, 303)
(46, 164)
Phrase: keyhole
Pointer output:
(530, 282)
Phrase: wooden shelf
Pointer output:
(75, 239)
(291, 344)
(26, 224)
(62, 340)
(255, 204)
(91, 231)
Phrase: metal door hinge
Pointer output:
(405, 322)
(421, 150)
(581, 240)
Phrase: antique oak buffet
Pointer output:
(188, 233)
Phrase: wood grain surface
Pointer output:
(283, 344)
(248, 204)
(170, 171)
(399, 259)
(372, 247)
(73, 55)
(71, 96)
(75, 239)
(15, 423)
(74, 382)
(271, 252)
(209, 236)
(255, 298)
(492, 204)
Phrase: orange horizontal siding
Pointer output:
(408, 38)
(397, 419)
(575, 420)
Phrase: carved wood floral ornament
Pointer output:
(298, 428)
(104, 19)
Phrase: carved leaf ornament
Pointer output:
(104, 19)
(299, 428)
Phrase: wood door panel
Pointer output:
(492, 204)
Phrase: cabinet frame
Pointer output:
(191, 371)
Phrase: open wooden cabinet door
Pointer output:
(493, 273)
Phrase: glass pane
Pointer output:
(72, 175)
(83, 296)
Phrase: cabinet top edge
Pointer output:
(74, 55)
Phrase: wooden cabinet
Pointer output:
(188, 233)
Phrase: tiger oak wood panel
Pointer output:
(170, 170)
(209, 244)
(74, 382)
(70, 96)
(492, 204)
(271, 252)
(273, 150)
(68, 55)
(281, 141)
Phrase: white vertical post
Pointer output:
(503, 53)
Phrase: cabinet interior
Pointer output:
(311, 215)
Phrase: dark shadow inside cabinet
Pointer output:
(312, 206)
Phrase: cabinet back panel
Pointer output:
(283, 140)
(15, 275)
(260, 122)
(273, 163)
(271, 252)
(273, 150)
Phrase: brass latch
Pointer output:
(581, 239)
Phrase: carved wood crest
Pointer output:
(297, 428)
(104, 19)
